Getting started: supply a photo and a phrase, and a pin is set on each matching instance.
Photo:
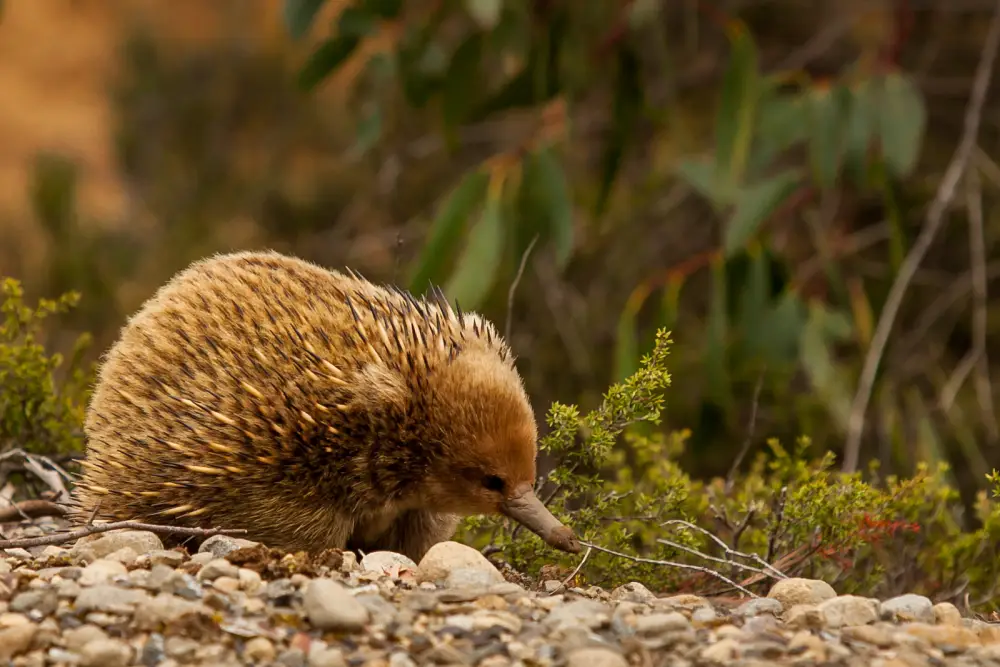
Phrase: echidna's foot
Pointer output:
(412, 533)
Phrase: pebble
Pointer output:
(909, 608)
(220, 546)
(595, 657)
(444, 557)
(793, 591)
(330, 606)
(849, 610)
(127, 601)
(106, 653)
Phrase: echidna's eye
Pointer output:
(493, 483)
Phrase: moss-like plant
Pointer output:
(39, 412)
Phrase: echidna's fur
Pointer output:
(312, 408)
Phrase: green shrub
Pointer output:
(862, 533)
(39, 413)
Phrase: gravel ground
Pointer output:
(121, 599)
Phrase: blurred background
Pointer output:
(749, 174)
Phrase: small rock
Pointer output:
(805, 617)
(259, 650)
(659, 624)
(349, 563)
(102, 572)
(870, 634)
(226, 584)
(704, 616)
(166, 608)
(106, 653)
(329, 606)
(293, 657)
(721, 652)
(250, 580)
(807, 647)
(125, 556)
(632, 592)
(467, 577)
(181, 648)
(387, 562)
(849, 610)
(220, 546)
(218, 567)
(16, 639)
(76, 638)
(141, 541)
(945, 613)
(595, 657)
(168, 558)
(759, 606)
(43, 601)
(551, 585)
(153, 650)
(793, 591)
(907, 608)
(52, 551)
(109, 599)
(326, 656)
(444, 557)
(587, 613)
(943, 636)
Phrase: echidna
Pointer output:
(311, 408)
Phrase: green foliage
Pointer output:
(867, 536)
(37, 412)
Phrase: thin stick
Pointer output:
(977, 257)
(513, 286)
(726, 548)
(748, 440)
(31, 509)
(575, 572)
(932, 224)
(668, 563)
(61, 538)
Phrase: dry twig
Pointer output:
(668, 563)
(94, 529)
(765, 568)
(513, 287)
(932, 224)
(31, 509)
(575, 572)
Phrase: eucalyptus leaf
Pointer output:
(476, 272)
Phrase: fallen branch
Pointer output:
(31, 509)
(94, 529)
(933, 223)
(765, 568)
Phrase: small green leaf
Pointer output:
(862, 121)
(447, 228)
(325, 59)
(753, 298)
(553, 187)
(476, 272)
(735, 121)
(486, 13)
(754, 204)
(902, 120)
(782, 122)
(827, 128)
(701, 175)
(299, 15)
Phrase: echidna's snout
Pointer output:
(525, 508)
